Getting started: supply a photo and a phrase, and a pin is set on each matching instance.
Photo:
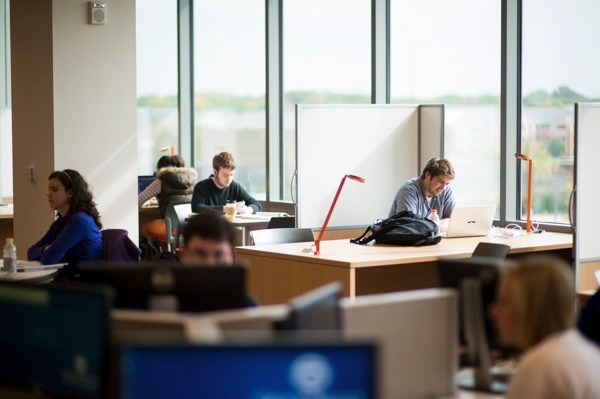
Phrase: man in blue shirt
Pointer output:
(429, 191)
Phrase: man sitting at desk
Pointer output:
(208, 240)
(431, 190)
(214, 192)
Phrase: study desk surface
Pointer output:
(280, 272)
(342, 253)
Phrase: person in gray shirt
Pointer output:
(431, 190)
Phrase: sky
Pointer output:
(438, 47)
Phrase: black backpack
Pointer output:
(404, 228)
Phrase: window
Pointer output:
(327, 60)
(157, 111)
(560, 64)
(229, 75)
(449, 52)
(6, 178)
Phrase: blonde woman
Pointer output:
(535, 311)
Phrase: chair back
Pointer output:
(281, 236)
(491, 250)
(118, 247)
(175, 216)
(288, 222)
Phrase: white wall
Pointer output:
(95, 105)
(74, 106)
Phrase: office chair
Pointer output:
(118, 247)
(491, 250)
(281, 236)
(175, 216)
(287, 222)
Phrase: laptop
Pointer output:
(471, 221)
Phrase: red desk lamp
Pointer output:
(339, 190)
(167, 148)
(524, 157)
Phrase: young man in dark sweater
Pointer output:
(214, 192)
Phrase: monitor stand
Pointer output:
(477, 345)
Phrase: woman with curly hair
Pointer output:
(75, 234)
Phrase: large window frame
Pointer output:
(510, 106)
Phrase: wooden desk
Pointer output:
(6, 222)
(280, 272)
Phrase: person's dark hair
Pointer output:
(82, 199)
(209, 225)
(174, 160)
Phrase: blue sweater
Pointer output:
(79, 240)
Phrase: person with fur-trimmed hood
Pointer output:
(174, 182)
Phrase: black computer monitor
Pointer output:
(476, 279)
(167, 287)
(267, 370)
(144, 182)
(53, 340)
(318, 309)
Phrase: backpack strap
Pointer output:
(361, 240)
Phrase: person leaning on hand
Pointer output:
(431, 190)
(214, 192)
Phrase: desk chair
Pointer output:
(287, 222)
(281, 236)
(118, 247)
(175, 220)
(491, 250)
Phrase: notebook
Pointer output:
(471, 221)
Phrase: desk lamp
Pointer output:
(167, 148)
(339, 190)
(524, 157)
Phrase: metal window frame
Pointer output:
(185, 80)
(510, 105)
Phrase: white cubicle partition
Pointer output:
(377, 142)
(587, 191)
(431, 132)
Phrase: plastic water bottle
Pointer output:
(433, 216)
(10, 256)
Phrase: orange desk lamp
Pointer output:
(339, 190)
(524, 157)
(167, 148)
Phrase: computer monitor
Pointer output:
(318, 309)
(168, 287)
(144, 182)
(416, 332)
(476, 278)
(53, 340)
(263, 370)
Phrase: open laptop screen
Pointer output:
(53, 340)
(258, 371)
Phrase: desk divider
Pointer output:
(377, 142)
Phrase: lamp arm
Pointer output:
(529, 192)
(322, 232)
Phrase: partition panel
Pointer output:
(587, 191)
(376, 142)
